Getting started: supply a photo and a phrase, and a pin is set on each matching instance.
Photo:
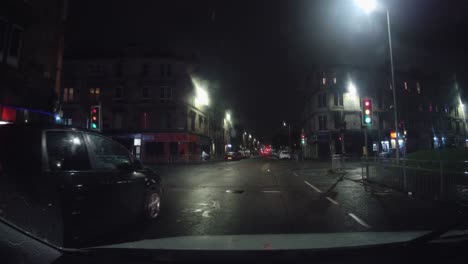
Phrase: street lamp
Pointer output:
(369, 6)
(289, 130)
(228, 116)
(201, 95)
(352, 89)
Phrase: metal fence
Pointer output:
(176, 159)
(440, 180)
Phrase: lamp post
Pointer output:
(368, 6)
(289, 131)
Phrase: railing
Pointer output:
(176, 159)
(439, 180)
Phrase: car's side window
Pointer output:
(109, 155)
(66, 151)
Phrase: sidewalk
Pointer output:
(323, 164)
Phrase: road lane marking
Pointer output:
(359, 220)
(332, 201)
(271, 191)
(206, 214)
(313, 187)
(295, 174)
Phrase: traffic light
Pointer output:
(302, 139)
(367, 112)
(95, 122)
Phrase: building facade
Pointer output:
(151, 103)
(31, 48)
(332, 116)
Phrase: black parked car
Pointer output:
(65, 184)
(232, 156)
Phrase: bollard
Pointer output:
(441, 179)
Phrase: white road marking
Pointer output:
(271, 191)
(206, 214)
(313, 187)
(332, 201)
(295, 174)
(359, 220)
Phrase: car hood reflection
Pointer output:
(271, 241)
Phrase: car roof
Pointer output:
(40, 127)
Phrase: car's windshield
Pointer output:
(124, 121)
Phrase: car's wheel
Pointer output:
(153, 205)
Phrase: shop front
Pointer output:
(170, 147)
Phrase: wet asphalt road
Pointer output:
(270, 196)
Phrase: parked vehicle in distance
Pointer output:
(75, 183)
(391, 153)
(284, 154)
(232, 156)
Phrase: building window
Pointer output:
(95, 93)
(449, 125)
(338, 99)
(168, 120)
(200, 122)
(165, 69)
(166, 93)
(3, 30)
(118, 92)
(15, 45)
(406, 86)
(322, 100)
(338, 121)
(322, 122)
(456, 111)
(117, 120)
(145, 117)
(145, 69)
(430, 107)
(192, 116)
(418, 88)
(334, 80)
(118, 69)
(67, 94)
(457, 126)
(145, 92)
(324, 80)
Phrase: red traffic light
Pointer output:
(94, 110)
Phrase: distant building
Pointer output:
(149, 102)
(331, 119)
(31, 48)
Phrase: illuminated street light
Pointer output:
(352, 88)
(250, 136)
(201, 95)
(228, 116)
(367, 5)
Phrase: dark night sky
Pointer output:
(260, 50)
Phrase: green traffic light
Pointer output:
(368, 120)
(93, 125)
